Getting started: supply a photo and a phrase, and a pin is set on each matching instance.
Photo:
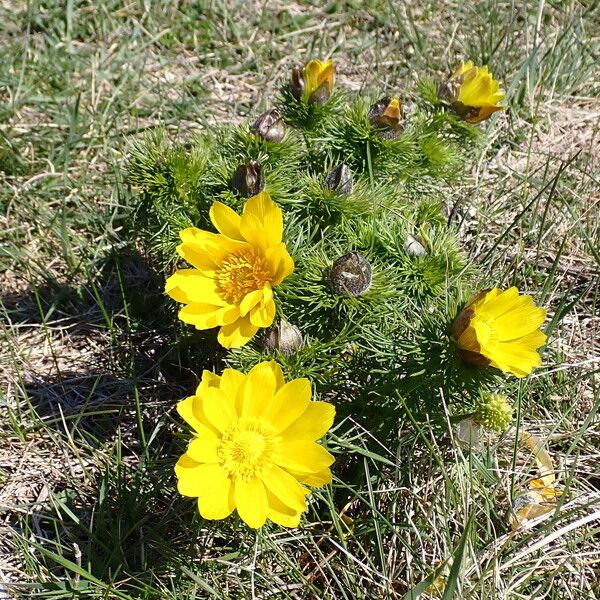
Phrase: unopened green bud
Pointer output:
(248, 179)
(350, 275)
(493, 411)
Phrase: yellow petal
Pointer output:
(189, 285)
(501, 302)
(262, 221)
(288, 403)
(533, 340)
(469, 340)
(226, 220)
(232, 385)
(512, 357)
(208, 379)
(206, 250)
(312, 424)
(253, 231)
(281, 263)
(262, 316)
(191, 412)
(267, 294)
(187, 482)
(251, 502)
(285, 488)
(313, 479)
(522, 320)
(207, 316)
(216, 498)
(303, 457)
(237, 334)
(259, 390)
(278, 375)
(193, 477)
(463, 68)
(204, 450)
(478, 88)
(327, 75)
(312, 70)
(219, 409)
(280, 513)
(250, 301)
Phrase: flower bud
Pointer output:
(501, 329)
(387, 116)
(340, 180)
(493, 411)
(414, 247)
(248, 179)
(313, 83)
(269, 126)
(472, 92)
(350, 275)
(284, 337)
(297, 83)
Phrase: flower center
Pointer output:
(240, 273)
(246, 448)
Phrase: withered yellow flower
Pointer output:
(255, 446)
(231, 284)
(501, 329)
(543, 493)
(314, 82)
(473, 92)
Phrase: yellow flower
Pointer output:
(387, 116)
(501, 329)
(254, 445)
(313, 83)
(473, 92)
(234, 270)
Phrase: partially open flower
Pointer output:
(255, 446)
(231, 284)
(387, 117)
(249, 179)
(350, 275)
(472, 92)
(269, 126)
(314, 82)
(284, 337)
(340, 180)
(493, 411)
(501, 329)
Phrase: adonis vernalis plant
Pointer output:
(324, 222)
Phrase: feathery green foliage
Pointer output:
(360, 350)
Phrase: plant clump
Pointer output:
(317, 236)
